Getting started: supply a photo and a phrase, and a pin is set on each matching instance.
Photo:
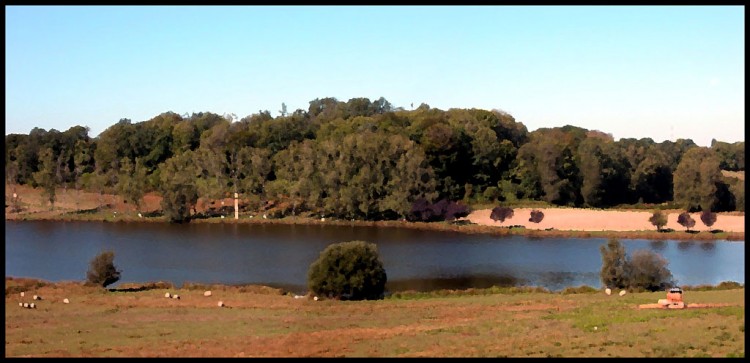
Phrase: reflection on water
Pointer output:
(708, 245)
(658, 245)
(684, 245)
(279, 255)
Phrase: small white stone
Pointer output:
(175, 296)
(66, 301)
(608, 291)
(20, 304)
(23, 294)
(207, 293)
(167, 295)
(220, 304)
(32, 306)
(26, 305)
(315, 298)
(595, 328)
(622, 292)
(37, 297)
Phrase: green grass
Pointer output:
(494, 322)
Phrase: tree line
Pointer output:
(366, 159)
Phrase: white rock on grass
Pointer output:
(207, 293)
(20, 304)
(26, 305)
(622, 292)
(167, 295)
(608, 291)
(37, 297)
(32, 306)
(66, 301)
(23, 294)
(175, 296)
(220, 304)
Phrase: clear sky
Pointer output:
(664, 72)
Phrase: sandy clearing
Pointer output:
(577, 219)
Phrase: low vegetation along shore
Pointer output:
(258, 321)
(558, 222)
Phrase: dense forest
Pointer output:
(366, 159)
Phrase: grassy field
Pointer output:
(138, 321)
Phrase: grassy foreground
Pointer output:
(265, 322)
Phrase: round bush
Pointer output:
(348, 271)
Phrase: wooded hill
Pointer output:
(368, 160)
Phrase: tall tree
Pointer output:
(614, 264)
(46, 177)
(81, 159)
(179, 192)
(695, 179)
(131, 183)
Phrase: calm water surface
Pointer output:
(279, 255)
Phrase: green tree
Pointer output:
(708, 218)
(212, 182)
(685, 220)
(82, 161)
(131, 183)
(695, 179)
(178, 189)
(658, 219)
(536, 216)
(501, 213)
(651, 180)
(46, 177)
(349, 271)
(614, 265)
(648, 270)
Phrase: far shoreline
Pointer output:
(471, 228)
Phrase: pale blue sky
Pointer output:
(664, 72)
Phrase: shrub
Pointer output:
(648, 270)
(536, 216)
(685, 220)
(708, 218)
(102, 271)
(442, 210)
(644, 270)
(501, 213)
(614, 262)
(658, 219)
(491, 194)
(456, 210)
(420, 210)
(348, 271)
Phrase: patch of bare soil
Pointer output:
(577, 219)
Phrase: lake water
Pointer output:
(280, 255)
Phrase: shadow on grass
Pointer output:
(666, 230)
(715, 231)
(156, 213)
(91, 210)
(143, 287)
